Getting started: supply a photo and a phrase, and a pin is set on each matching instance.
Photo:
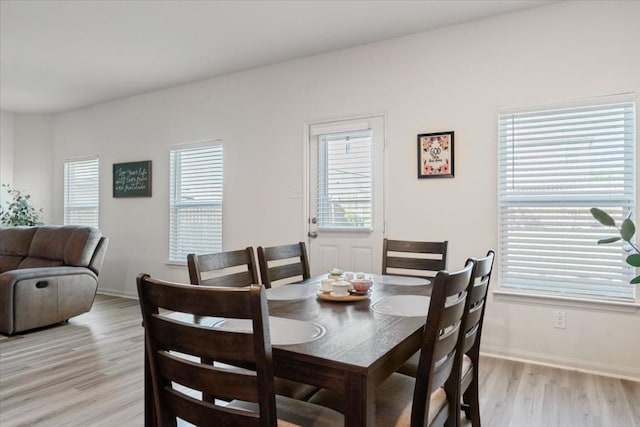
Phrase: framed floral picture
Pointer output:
(435, 155)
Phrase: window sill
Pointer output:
(564, 301)
(175, 264)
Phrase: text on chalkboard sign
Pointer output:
(132, 179)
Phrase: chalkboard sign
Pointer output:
(132, 179)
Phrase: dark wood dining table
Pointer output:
(359, 350)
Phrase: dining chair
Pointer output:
(429, 398)
(278, 263)
(232, 268)
(174, 348)
(469, 341)
(238, 269)
(411, 258)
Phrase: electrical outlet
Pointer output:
(295, 191)
(560, 319)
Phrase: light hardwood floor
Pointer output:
(89, 372)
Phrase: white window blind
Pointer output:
(81, 192)
(554, 166)
(195, 196)
(345, 181)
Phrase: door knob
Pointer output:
(313, 234)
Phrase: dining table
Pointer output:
(354, 343)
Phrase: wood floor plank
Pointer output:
(89, 372)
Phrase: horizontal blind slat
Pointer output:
(82, 192)
(553, 166)
(196, 195)
(345, 180)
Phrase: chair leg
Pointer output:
(453, 420)
(206, 397)
(471, 404)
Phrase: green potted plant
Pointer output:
(626, 232)
(19, 210)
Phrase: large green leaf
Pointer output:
(608, 240)
(602, 217)
(627, 230)
(635, 280)
(634, 260)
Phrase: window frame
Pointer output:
(66, 193)
(213, 206)
(323, 179)
(507, 291)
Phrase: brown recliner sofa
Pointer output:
(48, 274)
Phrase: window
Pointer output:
(81, 192)
(554, 165)
(195, 200)
(345, 163)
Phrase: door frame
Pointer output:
(306, 169)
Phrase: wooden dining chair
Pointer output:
(238, 269)
(278, 263)
(410, 258)
(469, 341)
(232, 268)
(174, 348)
(430, 398)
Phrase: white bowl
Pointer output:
(340, 288)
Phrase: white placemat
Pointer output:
(399, 280)
(291, 292)
(403, 305)
(283, 331)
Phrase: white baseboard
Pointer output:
(631, 373)
(115, 293)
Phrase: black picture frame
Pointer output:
(435, 155)
(132, 179)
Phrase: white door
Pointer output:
(346, 197)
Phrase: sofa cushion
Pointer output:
(35, 262)
(15, 241)
(9, 262)
(81, 246)
(68, 245)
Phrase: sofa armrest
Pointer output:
(44, 272)
(98, 256)
(10, 279)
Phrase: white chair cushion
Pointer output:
(293, 412)
(394, 400)
(467, 364)
(410, 367)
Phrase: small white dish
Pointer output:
(339, 294)
(326, 285)
(341, 288)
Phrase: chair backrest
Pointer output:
(283, 262)
(175, 348)
(245, 274)
(476, 303)
(409, 258)
(438, 354)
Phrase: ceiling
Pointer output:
(59, 55)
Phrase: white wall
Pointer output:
(26, 146)
(6, 152)
(32, 160)
(454, 78)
